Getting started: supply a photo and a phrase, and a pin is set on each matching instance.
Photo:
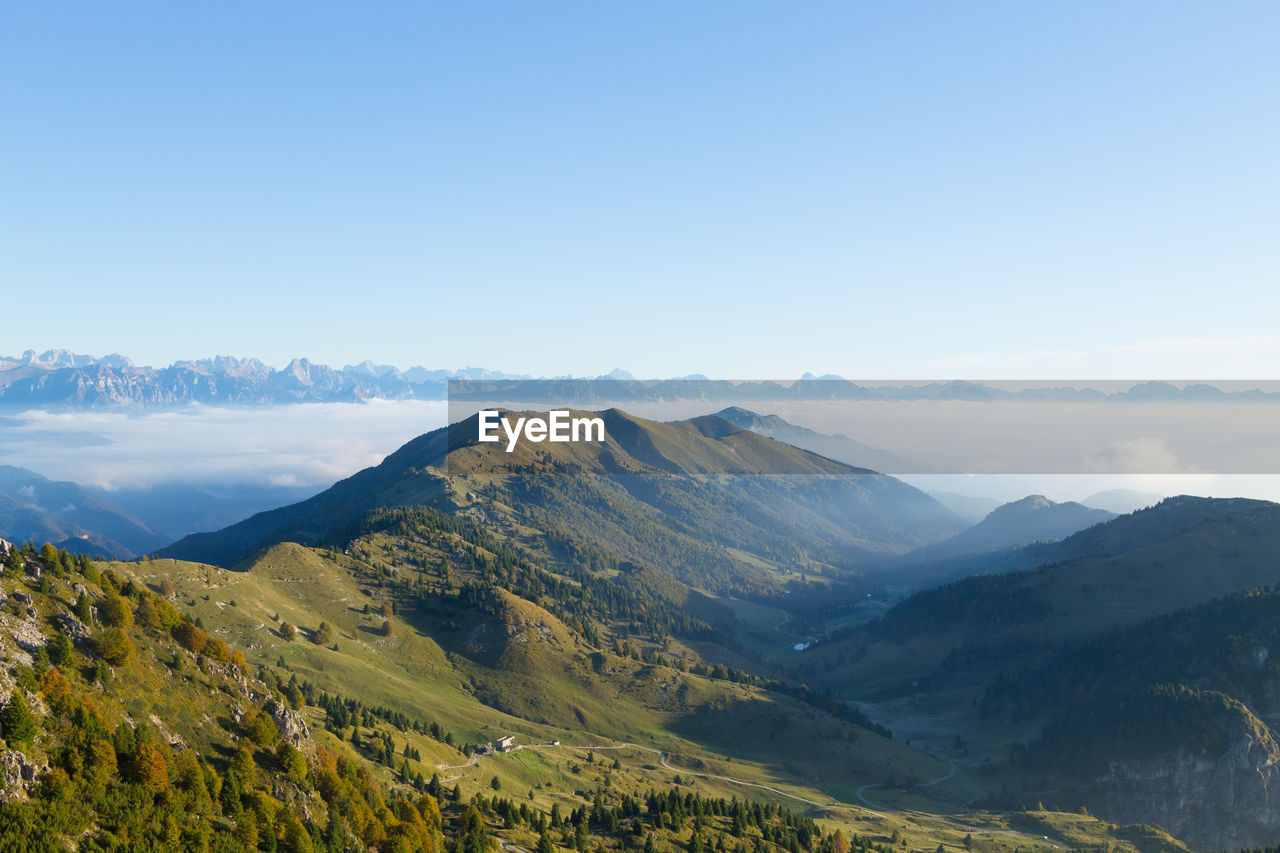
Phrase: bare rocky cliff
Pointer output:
(1229, 801)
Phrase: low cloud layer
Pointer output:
(1065, 452)
(298, 445)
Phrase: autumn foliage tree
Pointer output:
(114, 610)
(149, 769)
(191, 637)
(100, 760)
(323, 635)
(260, 728)
(55, 687)
(114, 646)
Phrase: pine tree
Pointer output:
(19, 726)
(247, 830)
(60, 649)
(473, 838)
(230, 795)
(84, 609)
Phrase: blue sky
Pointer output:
(740, 189)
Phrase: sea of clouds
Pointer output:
(295, 445)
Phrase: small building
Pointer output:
(506, 743)
(554, 743)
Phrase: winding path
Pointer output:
(943, 778)
(475, 759)
(951, 771)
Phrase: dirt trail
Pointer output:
(475, 759)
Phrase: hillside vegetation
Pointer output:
(135, 720)
(667, 609)
(684, 496)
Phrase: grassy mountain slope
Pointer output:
(673, 495)
(634, 709)
(144, 732)
(701, 730)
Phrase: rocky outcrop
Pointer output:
(76, 631)
(24, 629)
(17, 775)
(1231, 801)
(291, 725)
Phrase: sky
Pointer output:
(741, 189)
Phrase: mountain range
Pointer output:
(62, 379)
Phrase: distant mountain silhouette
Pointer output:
(63, 379)
(1121, 501)
(1033, 519)
(36, 509)
(838, 447)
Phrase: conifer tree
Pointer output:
(18, 725)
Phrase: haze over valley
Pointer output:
(640, 428)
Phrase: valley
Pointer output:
(692, 604)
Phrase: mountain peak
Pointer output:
(1030, 502)
(683, 462)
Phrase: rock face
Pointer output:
(75, 630)
(292, 727)
(24, 629)
(1231, 801)
(17, 775)
(11, 764)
